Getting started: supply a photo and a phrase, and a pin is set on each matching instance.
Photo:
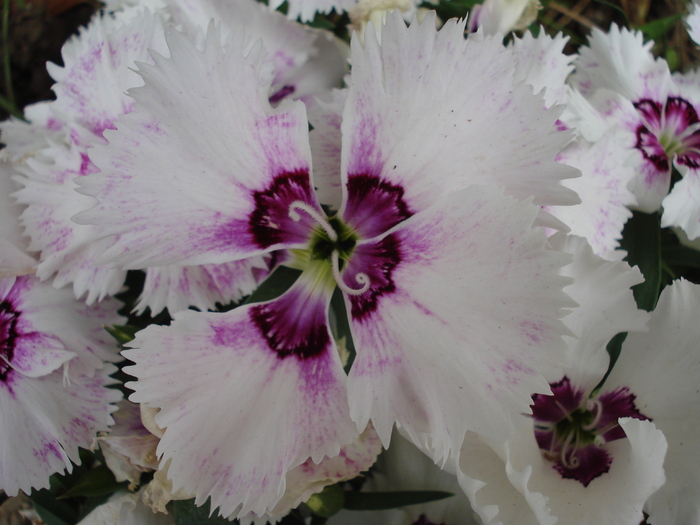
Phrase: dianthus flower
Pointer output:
(593, 453)
(453, 302)
(625, 88)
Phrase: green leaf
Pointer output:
(279, 282)
(642, 240)
(327, 502)
(391, 500)
(96, 482)
(681, 256)
(52, 511)
(122, 333)
(658, 28)
(187, 513)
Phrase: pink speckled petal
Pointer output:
(205, 170)
(418, 119)
(605, 173)
(179, 287)
(14, 255)
(98, 69)
(44, 420)
(245, 396)
(541, 63)
(460, 319)
(53, 379)
(68, 251)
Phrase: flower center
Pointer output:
(8, 333)
(667, 131)
(333, 241)
(572, 430)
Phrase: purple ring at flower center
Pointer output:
(667, 131)
(8, 334)
(269, 223)
(571, 430)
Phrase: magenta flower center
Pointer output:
(668, 130)
(572, 429)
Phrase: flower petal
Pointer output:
(682, 205)
(14, 257)
(459, 320)
(278, 362)
(484, 128)
(179, 287)
(43, 422)
(602, 187)
(661, 368)
(205, 171)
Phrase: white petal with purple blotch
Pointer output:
(661, 369)
(606, 171)
(419, 119)
(245, 396)
(205, 169)
(41, 310)
(459, 321)
(179, 287)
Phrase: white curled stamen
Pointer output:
(361, 278)
(593, 404)
(322, 222)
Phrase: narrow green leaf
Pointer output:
(391, 500)
(279, 282)
(96, 482)
(187, 513)
(122, 333)
(327, 502)
(641, 239)
(656, 29)
(681, 256)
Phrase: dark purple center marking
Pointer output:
(294, 324)
(269, 223)
(373, 205)
(668, 130)
(281, 93)
(377, 261)
(572, 431)
(8, 334)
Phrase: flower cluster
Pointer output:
(418, 234)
